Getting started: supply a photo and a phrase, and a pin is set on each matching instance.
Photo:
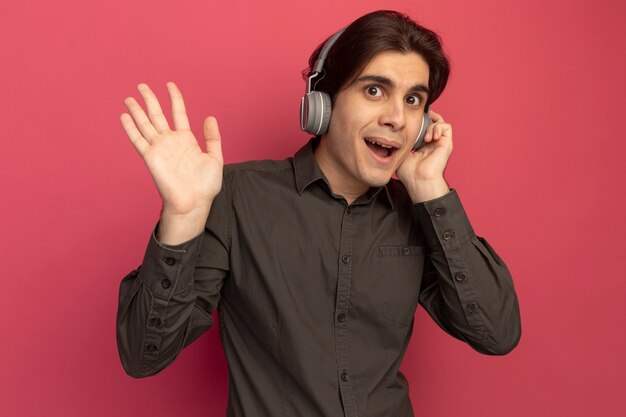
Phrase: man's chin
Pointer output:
(378, 181)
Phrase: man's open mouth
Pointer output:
(381, 150)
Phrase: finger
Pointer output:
(429, 132)
(435, 117)
(138, 141)
(439, 129)
(140, 119)
(212, 138)
(447, 131)
(154, 108)
(179, 114)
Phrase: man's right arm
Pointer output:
(167, 303)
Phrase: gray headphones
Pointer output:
(316, 106)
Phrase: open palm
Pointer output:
(187, 177)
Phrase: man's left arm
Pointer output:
(466, 288)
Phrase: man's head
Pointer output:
(382, 73)
(371, 34)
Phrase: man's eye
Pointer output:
(413, 100)
(374, 91)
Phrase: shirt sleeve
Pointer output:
(166, 303)
(466, 288)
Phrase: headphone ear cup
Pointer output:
(326, 113)
(420, 137)
(315, 111)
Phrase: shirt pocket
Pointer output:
(400, 271)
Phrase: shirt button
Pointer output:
(170, 261)
(151, 347)
(448, 235)
(345, 259)
(460, 277)
(342, 317)
(166, 283)
(471, 307)
(439, 211)
(349, 210)
(156, 322)
(406, 250)
(344, 376)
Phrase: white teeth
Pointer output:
(379, 144)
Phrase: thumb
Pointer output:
(212, 138)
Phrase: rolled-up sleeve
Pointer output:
(466, 288)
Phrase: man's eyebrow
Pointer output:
(384, 81)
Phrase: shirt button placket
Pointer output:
(342, 305)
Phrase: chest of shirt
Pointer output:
(299, 254)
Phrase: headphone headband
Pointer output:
(319, 62)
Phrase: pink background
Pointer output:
(536, 99)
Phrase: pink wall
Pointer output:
(536, 100)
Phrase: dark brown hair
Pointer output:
(371, 34)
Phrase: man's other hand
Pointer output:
(421, 172)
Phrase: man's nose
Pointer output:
(393, 114)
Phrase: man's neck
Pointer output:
(338, 179)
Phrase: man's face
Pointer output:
(375, 122)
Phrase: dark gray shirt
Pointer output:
(315, 297)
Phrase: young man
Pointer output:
(317, 263)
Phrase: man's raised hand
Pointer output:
(187, 178)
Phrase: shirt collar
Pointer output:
(307, 172)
